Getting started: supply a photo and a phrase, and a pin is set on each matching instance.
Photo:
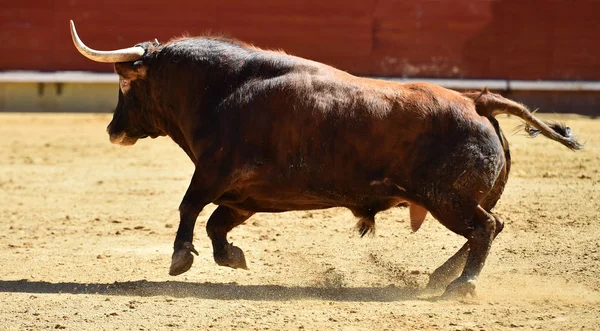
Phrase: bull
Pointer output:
(271, 132)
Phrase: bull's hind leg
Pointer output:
(223, 220)
(479, 238)
(451, 269)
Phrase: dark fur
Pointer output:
(269, 132)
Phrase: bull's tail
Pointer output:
(490, 104)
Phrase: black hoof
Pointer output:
(231, 256)
(182, 260)
(460, 289)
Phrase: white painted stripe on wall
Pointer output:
(57, 77)
(462, 84)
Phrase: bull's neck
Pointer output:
(177, 133)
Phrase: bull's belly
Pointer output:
(277, 199)
(283, 203)
(275, 206)
(271, 199)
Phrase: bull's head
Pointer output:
(132, 118)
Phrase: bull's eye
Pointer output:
(124, 85)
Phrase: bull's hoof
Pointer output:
(182, 259)
(231, 256)
(460, 289)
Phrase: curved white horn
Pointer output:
(118, 55)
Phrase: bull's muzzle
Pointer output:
(121, 139)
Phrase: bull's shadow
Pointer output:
(216, 291)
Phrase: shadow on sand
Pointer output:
(215, 291)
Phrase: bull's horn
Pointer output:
(119, 55)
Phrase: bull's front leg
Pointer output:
(182, 258)
(204, 188)
(223, 220)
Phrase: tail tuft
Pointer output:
(564, 131)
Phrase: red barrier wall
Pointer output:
(509, 39)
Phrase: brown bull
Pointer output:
(270, 132)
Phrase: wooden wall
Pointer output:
(509, 39)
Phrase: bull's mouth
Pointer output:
(122, 139)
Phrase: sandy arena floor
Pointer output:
(87, 229)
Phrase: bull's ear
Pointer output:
(131, 70)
